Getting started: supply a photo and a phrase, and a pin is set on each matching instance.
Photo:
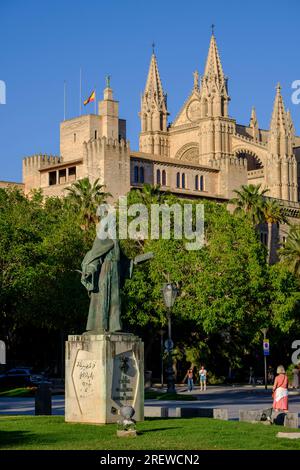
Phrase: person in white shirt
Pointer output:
(202, 376)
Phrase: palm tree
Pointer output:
(151, 194)
(290, 253)
(273, 214)
(250, 200)
(85, 197)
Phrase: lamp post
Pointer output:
(170, 292)
(162, 332)
(264, 332)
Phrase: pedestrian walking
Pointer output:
(296, 377)
(280, 390)
(251, 376)
(270, 375)
(190, 378)
(202, 377)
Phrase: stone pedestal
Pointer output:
(103, 373)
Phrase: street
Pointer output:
(232, 398)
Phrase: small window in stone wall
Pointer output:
(201, 183)
(178, 180)
(183, 180)
(72, 173)
(62, 176)
(142, 175)
(158, 181)
(52, 178)
(96, 135)
(74, 137)
(136, 174)
(164, 178)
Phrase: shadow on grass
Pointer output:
(146, 431)
(15, 437)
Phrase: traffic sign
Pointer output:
(266, 347)
(169, 345)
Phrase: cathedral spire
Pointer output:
(253, 119)
(154, 101)
(213, 65)
(278, 120)
(214, 95)
(254, 124)
(154, 90)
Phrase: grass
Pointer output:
(52, 433)
(156, 395)
(19, 392)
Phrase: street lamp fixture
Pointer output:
(170, 292)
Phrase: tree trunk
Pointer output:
(270, 225)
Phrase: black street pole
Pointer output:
(162, 358)
(266, 378)
(170, 372)
(264, 331)
(170, 292)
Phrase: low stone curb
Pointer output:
(289, 435)
(182, 412)
(289, 420)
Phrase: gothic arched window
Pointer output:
(178, 180)
(197, 183)
(142, 174)
(183, 180)
(136, 174)
(157, 176)
(164, 178)
(201, 183)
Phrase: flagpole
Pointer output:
(80, 91)
(65, 99)
(95, 101)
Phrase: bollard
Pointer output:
(43, 399)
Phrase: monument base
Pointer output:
(103, 373)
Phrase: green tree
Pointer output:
(85, 197)
(222, 285)
(290, 253)
(273, 214)
(250, 200)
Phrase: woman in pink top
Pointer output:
(280, 390)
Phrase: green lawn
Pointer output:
(34, 432)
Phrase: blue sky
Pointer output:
(43, 43)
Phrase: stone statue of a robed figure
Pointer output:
(103, 271)
(101, 278)
(97, 384)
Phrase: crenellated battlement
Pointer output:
(38, 161)
(102, 143)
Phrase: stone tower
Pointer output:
(109, 110)
(154, 114)
(281, 171)
(215, 127)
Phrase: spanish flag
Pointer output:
(90, 98)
